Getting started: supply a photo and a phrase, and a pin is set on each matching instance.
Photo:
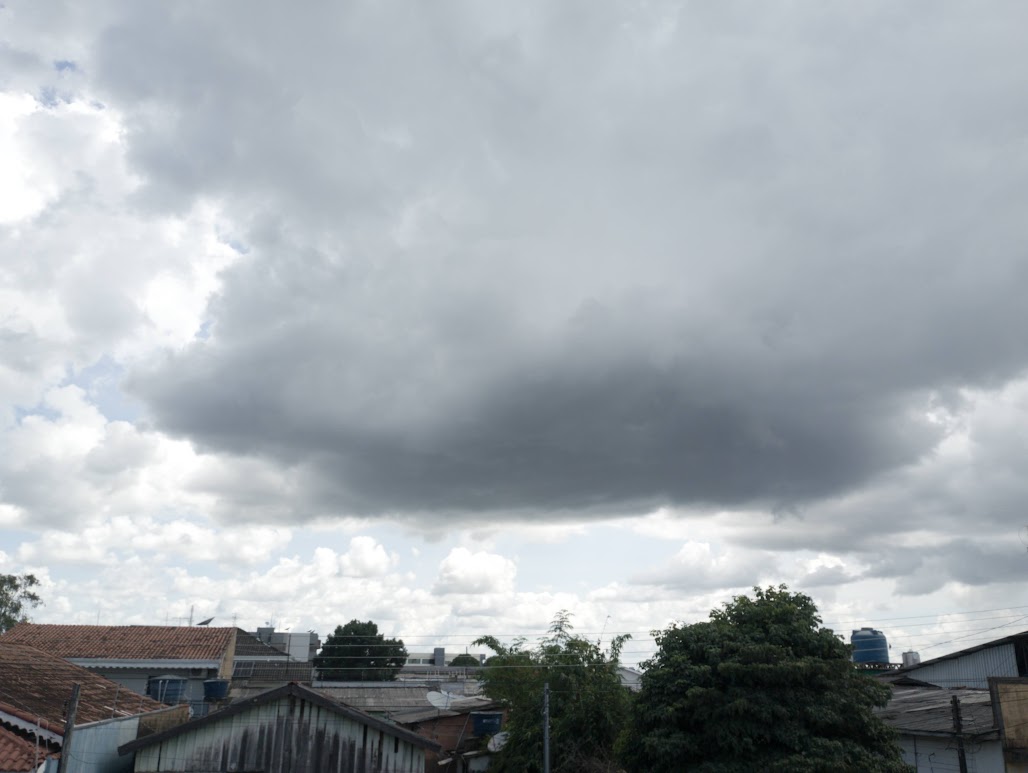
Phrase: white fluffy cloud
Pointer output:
(465, 572)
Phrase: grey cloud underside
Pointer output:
(545, 262)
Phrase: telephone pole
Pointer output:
(958, 726)
(546, 727)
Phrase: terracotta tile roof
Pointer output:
(19, 754)
(36, 686)
(125, 642)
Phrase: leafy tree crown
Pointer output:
(16, 596)
(760, 686)
(357, 652)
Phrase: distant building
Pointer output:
(299, 646)
(972, 667)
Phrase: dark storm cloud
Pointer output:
(546, 260)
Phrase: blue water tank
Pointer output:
(215, 689)
(167, 689)
(869, 646)
(486, 723)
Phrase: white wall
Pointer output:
(938, 754)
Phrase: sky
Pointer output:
(453, 315)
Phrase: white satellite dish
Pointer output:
(440, 700)
(498, 741)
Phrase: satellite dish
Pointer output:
(498, 741)
(441, 700)
(206, 622)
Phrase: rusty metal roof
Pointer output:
(135, 642)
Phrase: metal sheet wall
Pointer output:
(971, 670)
(288, 736)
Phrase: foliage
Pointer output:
(357, 652)
(588, 705)
(465, 661)
(16, 595)
(760, 687)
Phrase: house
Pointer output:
(972, 667)
(291, 729)
(925, 719)
(171, 663)
(461, 727)
(36, 689)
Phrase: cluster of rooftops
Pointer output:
(172, 683)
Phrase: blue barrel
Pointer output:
(869, 646)
(167, 689)
(486, 723)
(215, 689)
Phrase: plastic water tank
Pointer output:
(215, 689)
(869, 646)
(486, 723)
(167, 689)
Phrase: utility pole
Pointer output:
(546, 727)
(958, 726)
(69, 726)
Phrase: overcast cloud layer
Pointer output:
(731, 292)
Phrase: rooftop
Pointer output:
(1016, 637)
(929, 711)
(36, 687)
(249, 646)
(269, 697)
(128, 642)
(16, 753)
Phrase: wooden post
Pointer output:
(958, 727)
(69, 726)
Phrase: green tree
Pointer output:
(16, 595)
(588, 705)
(760, 687)
(357, 652)
(465, 661)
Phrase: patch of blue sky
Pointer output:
(204, 331)
(39, 409)
(101, 381)
(62, 65)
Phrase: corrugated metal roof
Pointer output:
(125, 641)
(456, 708)
(36, 685)
(380, 697)
(929, 711)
